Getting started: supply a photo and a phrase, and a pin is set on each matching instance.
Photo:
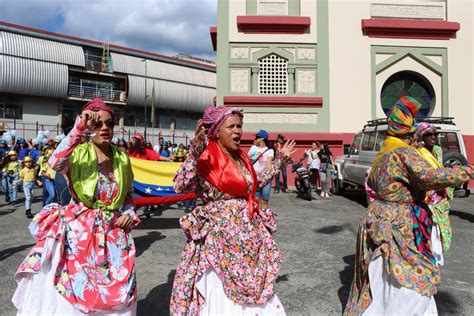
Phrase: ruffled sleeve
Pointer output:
(185, 180)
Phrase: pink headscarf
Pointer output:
(424, 127)
(97, 104)
(213, 118)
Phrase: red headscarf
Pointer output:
(98, 105)
(214, 116)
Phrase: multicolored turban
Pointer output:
(97, 104)
(213, 118)
(401, 120)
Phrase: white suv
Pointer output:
(353, 165)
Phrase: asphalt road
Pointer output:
(317, 239)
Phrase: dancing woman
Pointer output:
(395, 270)
(230, 261)
(84, 257)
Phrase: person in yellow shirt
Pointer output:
(28, 178)
(47, 175)
(10, 175)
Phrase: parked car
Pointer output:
(353, 165)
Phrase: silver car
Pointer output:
(352, 167)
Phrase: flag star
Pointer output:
(147, 190)
(159, 189)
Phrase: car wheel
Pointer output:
(337, 187)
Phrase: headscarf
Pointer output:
(401, 120)
(213, 118)
(421, 129)
(97, 104)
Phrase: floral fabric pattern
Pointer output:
(96, 271)
(220, 235)
(386, 229)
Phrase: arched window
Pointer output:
(408, 83)
(273, 75)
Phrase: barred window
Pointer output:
(273, 75)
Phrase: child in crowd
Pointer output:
(29, 180)
(47, 175)
(10, 174)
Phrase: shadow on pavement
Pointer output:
(159, 223)
(157, 302)
(346, 277)
(142, 243)
(357, 196)
(447, 304)
(282, 278)
(463, 215)
(6, 212)
(4, 254)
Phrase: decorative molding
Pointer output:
(239, 52)
(257, 49)
(306, 53)
(281, 118)
(273, 24)
(272, 7)
(306, 81)
(402, 28)
(424, 10)
(213, 33)
(290, 50)
(239, 80)
(261, 101)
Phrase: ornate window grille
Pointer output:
(273, 75)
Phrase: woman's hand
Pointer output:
(124, 221)
(288, 148)
(200, 134)
(90, 119)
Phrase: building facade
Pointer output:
(320, 69)
(46, 78)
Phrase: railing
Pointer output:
(90, 93)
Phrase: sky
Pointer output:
(168, 27)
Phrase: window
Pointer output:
(449, 141)
(408, 83)
(11, 106)
(369, 141)
(273, 75)
(355, 147)
(380, 138)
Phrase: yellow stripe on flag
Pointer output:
(154, 172)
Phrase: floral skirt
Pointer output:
(36, 294)
(81, 261)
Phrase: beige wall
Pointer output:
(238, 7)
(350, 65)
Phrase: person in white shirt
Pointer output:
(313, 164)
(262, 156)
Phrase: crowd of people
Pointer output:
(84, 257)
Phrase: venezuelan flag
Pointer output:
(153, 178)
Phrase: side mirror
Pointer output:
(355, 152)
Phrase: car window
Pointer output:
(355, 147)
(380, 138)
(449, 141)
(368, 141)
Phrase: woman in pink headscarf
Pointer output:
(230, 261)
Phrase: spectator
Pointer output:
(23, 148)
(283, 171)
(47, 175)
(28, 179)
(61, 181)
(122, 145)
(262, 157)
(313, 164)
(4, 149)
(325, 156)
(36, 152)
(138, 150)
(164, 151)
(10, 174)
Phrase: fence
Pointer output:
(30, 130)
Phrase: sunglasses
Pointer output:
(108, 123)
(431, 134)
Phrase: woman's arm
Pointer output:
(59, 160)
(185, 180)
(128, 218)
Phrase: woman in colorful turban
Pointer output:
(84, 257)
(230, 261)
(395, 270)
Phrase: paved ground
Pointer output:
(317, 239)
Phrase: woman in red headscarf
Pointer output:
(84, 257)
(230, 261)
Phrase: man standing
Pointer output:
(279, 142)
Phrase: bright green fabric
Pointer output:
(84, 173)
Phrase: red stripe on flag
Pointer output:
(157, 200)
